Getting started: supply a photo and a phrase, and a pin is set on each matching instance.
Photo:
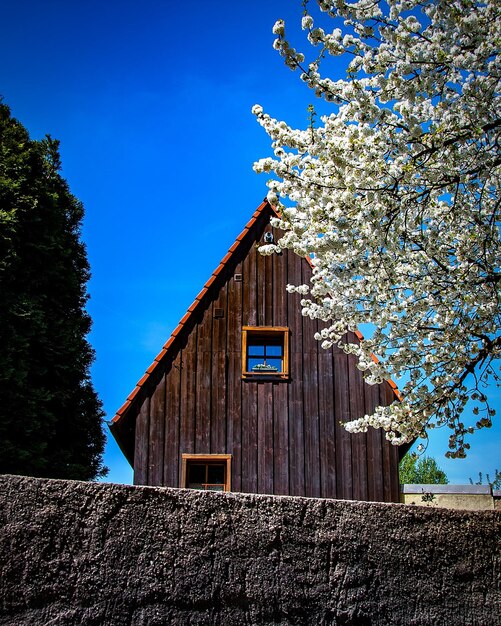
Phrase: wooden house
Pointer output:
(243, 398)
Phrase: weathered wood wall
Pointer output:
(285, 436)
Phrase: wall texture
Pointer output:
(78, 553)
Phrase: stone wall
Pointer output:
(86, 554)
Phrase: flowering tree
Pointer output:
(395, 197)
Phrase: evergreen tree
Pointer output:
(425, 471)
(50, 415)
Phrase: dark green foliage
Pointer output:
(50, 415)
(425, 471)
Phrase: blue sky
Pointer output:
(151, 102)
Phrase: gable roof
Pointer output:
(118, 422)
(120, 416)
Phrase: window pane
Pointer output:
(274, 350)
(216, 474)
(275, 362)
(196, 473)
(256, 349)
(252, 361)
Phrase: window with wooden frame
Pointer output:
(206, 472)
(265, 352)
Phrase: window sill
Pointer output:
(255, 376)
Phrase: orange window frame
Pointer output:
(272, 332)
(216, 459)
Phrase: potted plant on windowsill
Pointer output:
(261, 367)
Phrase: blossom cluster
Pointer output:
(395, 198)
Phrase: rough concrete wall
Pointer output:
(78, 553)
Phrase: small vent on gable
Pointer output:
(218, 312)
(238, 278)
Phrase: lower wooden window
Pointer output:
(206, 472)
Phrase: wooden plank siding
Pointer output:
(142, 443)
(172, 423)
(249, 415)
(157, 434)
(358, 440)
(233, 385)
(284, 436)
(279, 313)
(295, 388)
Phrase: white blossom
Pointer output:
(394, 196)
(278, 28)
